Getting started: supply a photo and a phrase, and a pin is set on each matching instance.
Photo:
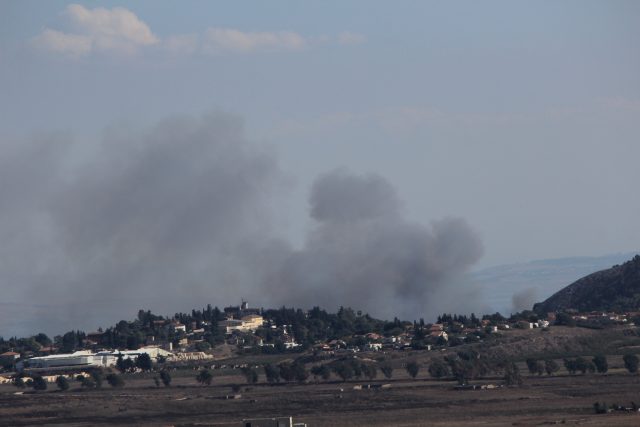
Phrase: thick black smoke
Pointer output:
(180, 216)
(363, 253)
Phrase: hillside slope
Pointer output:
(617, 288)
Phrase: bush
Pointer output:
(600, 362)
(370, 371)
(343, 370)
(97, 376)
(143, 361)
(204, 377)
(62, 383)
(386, 369)
(115, 380)
(512, 375)
(166, 378)
(439, 369)
(322, 371)
(272, 373)
(631, 362)
(551, 367)
(250, 375)
(413, 368)
(535, 366)
(39, 383)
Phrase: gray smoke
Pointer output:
(181, 216)
(167, 220)
(524, 299)
(363, 253)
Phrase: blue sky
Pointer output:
(521, 117)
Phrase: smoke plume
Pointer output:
(363, 253)
(181, 216)
(164, 220)
(524, 299)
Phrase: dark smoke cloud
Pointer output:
(181, 216)
(363, 253)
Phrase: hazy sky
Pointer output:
(523, 118)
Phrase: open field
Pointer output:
(541, 401)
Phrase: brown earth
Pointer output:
(560, 399)
(540, 401)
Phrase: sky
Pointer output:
(520, 119)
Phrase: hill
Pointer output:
(538, 279)
(613, 289)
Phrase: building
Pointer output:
(9, 356)
(79, 359)
(252, 322)
(86, 359)
(247, 323)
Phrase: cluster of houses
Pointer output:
(242, 322)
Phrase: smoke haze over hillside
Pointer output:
(181, 215)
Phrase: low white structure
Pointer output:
(85, 358)
(77, 359)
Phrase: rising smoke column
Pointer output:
(168, 219)
(180, 216)
(364, 253)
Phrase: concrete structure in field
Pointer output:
(271, 422)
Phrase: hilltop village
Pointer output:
(202, 335)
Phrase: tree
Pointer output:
(343, 370)
(570, 366)
(250, 375)
(532, 365)
(96, 376)
(512, 375)
(413, 368)
(631, 362)
(370, 371)
(62, 383)
(386, 369)
(143, 361)
(600, 362)
(39, 383)
(551, 367)
(165, 377)
(321, 371)
(115, 380)
(565, 319)
(272, 373)
(204, 377)
(439, 369)
(42, 339)
(125, 365)
(287, 372)
(300, 372)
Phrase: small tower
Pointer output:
(244, 305)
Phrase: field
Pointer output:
(540, 401)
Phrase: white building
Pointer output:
(85, 358)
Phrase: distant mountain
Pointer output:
(533, 281)
(614, 289)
